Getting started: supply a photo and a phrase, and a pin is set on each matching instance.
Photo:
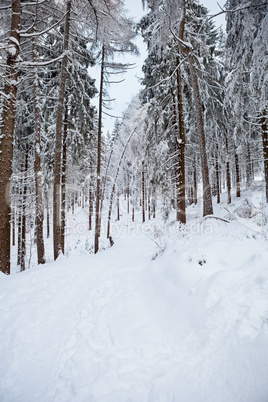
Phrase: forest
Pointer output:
(201, 116)
(175, 190)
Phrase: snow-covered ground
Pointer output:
(167, 314)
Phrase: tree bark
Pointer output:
(7, 133)
(264, 129)
(63, 177)
(98, 189)
(217, 175)
(181, 195)
(39, 208)
(237, 174)
(58, 146)
(23, 212)
(143, 192)
(187, 50)
(228, 175)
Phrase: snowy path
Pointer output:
(119, 327)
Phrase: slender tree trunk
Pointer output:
(228, 174)
(23, 219)
(73, 201)
(7, 133)
(154, 202)
(143, 191)
(58, 146)
(48, 225)
(118, 209)
(265, 149)
(98, 189)
(113, 189)
(133, 214)
(13, 226)
(63, 177)
(217, 177)
(181, 196)
(90, 206)
(128, 194)
(248, 167)
(237, 175)
(39, 208)
(195, 184)
(20, 220)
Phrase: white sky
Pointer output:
(125, 91)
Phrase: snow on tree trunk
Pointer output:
(58, 146)
(265, 149)
(7, 133)
(98, 189)
(207, 199)
(39, 208)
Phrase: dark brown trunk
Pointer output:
(237, 173)
(265, 149)
(133, 214)
(63, 177)
(58, 146)
(98, 189)
(7, 133)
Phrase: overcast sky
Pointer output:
(125, 91)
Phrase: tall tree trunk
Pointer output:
(23, 219)
(39, 208)
(181, 196)
(20, 221)
(63, 177)
(187, 50)
(248, 167)
(207, 199)
(195, 183)
(117, 204)
(143, 191)
(48, 225)
(7, 133)
(228, 174)
(98, 189)
(217, 176)
(58, 146)
(265, 149)
(90, 206)
(128, 193)
(237, 174)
